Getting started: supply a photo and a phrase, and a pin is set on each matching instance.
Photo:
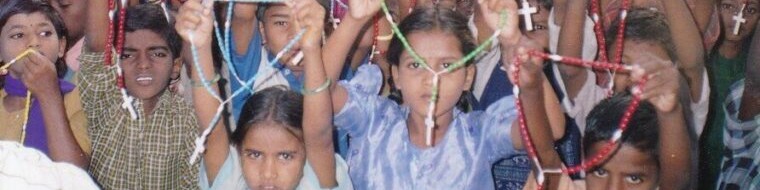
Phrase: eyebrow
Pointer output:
(276, 15)
(152, 48)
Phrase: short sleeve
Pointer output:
(700, 107)
(589, 95)
(497, 127)
(363, 101)
(230, 175)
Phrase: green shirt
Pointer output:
(150, 152)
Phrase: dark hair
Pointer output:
(644, 25)
(274, 104)
(9, 8)
(642, 132)
(429, 19)
(151, 17)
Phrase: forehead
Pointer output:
(269, 137)
(627, 159)
(634, 48)
(26, 20)
(144, 38)
(434, 44)
(277, 9)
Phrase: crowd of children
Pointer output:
(379, 94)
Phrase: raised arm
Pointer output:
(96, 29)
(530, 81)
(317, 114)
(39, 76)
(751, 98)
(571, 44)
(689, 46)
(195, 20)
(662, 90)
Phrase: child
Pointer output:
(725, 66)
(647, 33)
(270, 147)
(55, 124)
(388, 149)
(742, 112)
(151, 151)
(73, 13)
(639, 161)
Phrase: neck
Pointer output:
(149, 105)
(730, 49)
(418, 130)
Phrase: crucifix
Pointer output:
(739, 19)
(527, 11)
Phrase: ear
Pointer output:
(176, 69)
(394, 74)
(263, 33)
(62, 47)
(469, 77)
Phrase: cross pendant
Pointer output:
(739, 20)
(527, 11)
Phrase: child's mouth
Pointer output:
(144, 80)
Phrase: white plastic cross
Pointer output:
(739, 19)
(527, 11)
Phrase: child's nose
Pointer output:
(270, 170)
(34, 42)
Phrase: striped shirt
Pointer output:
(742, 140)
(150, 152)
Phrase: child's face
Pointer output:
(628, 168)
(279, 29)
(440, 50)
(73, 13)
(729, 9)
(633, 52)
(24, 31)
(272, 157)
(540, 31)
(147, 64)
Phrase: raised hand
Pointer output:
(363, 9)
(662, 86)
(38, 74)
(492, 10)
(195, 22)
(309, 15)
(531, 67)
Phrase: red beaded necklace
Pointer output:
(604, 63)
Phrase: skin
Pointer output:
(148, 65)
(271, 139)
(440, 51)
(73, 13)
(628, 168)
(540, 32)
(272, 157)
(37, 72)
(731, 45)
(278, 29)
(750, 106)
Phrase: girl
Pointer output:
(55, 124)
(388, 149)
(270, 146)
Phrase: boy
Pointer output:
(151, 151)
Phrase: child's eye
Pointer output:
(126, 56)
(751, 10)
(726, 6)
(415, 65)
(539, 27)
(447, 65)
(633, 179)
(253, 154)
(600, 173)
(46, 33)
(281, 23)
(160, 54)
(17, 36)
(285, 156)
